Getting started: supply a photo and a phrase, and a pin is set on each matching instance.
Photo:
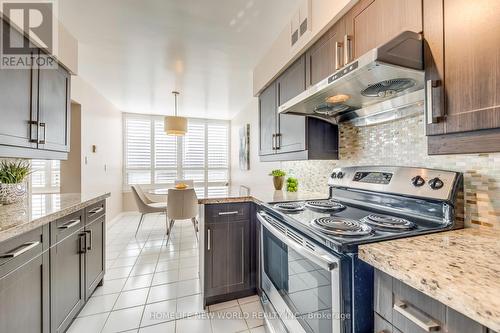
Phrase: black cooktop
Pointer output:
(302, 220)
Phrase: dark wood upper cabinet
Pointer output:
(371, 23)
(462, 56)
(35, 109)
(267, 120)
(54, 109)
(291, 134)
(326, 55)
(18, 109)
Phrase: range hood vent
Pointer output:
(384, 79)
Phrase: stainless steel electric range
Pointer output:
(311, 278)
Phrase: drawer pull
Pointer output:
(20, 250)
(228, 213)
(96, 211)
(69, 224)
(416, 316)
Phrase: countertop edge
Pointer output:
(368, 255)
(36, 223)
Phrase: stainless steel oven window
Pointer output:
(302, 285)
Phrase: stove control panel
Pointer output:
(373, 177)
(415, 182)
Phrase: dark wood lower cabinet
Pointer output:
(229, 254)
(47, 274)
(94, 256)
(24, 300)
(400, 308)
(67, 272)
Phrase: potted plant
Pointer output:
(278, 178)
(13, 187)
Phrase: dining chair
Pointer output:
(188, 182)
(147, 206)
(182, 205)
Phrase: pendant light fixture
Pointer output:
(175, 125)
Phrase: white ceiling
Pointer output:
(135, 52)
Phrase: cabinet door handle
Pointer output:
(88, 232)
(96, 211)
(82, 239)
(69, 224)
(416, 316)
(44, 127)
(433, 94)
(208, 239)
(274, 141)
(20, 250)
(348, 49)
(229, 213)
(338, 54)
(31, 124)
(278, 141)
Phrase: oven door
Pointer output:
(300, 279)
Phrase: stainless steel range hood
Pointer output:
(384, 80)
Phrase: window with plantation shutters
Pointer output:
(165, 153)
(153, 158)
(218, 151)
(45, 176)
(138, 146)
(193, 157)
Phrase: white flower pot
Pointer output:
(12, 193)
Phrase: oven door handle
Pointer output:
(321, 258)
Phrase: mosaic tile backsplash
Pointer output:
(403, 143)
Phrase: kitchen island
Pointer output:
(459, 269)
(52, 258)
(40, 209)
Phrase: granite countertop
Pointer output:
(40, 209)
(260, 194)
(458, 268)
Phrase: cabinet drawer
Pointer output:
(65, 227)
(95, 211)
(412, 311)
(381, 325)
(19, 250)
(227, 212)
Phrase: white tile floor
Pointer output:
(151, 287)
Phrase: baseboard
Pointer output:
(110, 223)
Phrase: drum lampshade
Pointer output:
(175, 125)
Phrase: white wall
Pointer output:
(101, 126)
(258, 174)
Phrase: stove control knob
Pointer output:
(340, 175)
(334, 175)
(417, 181)
(436, 183)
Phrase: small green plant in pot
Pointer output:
(278, 178)
(13, 175)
